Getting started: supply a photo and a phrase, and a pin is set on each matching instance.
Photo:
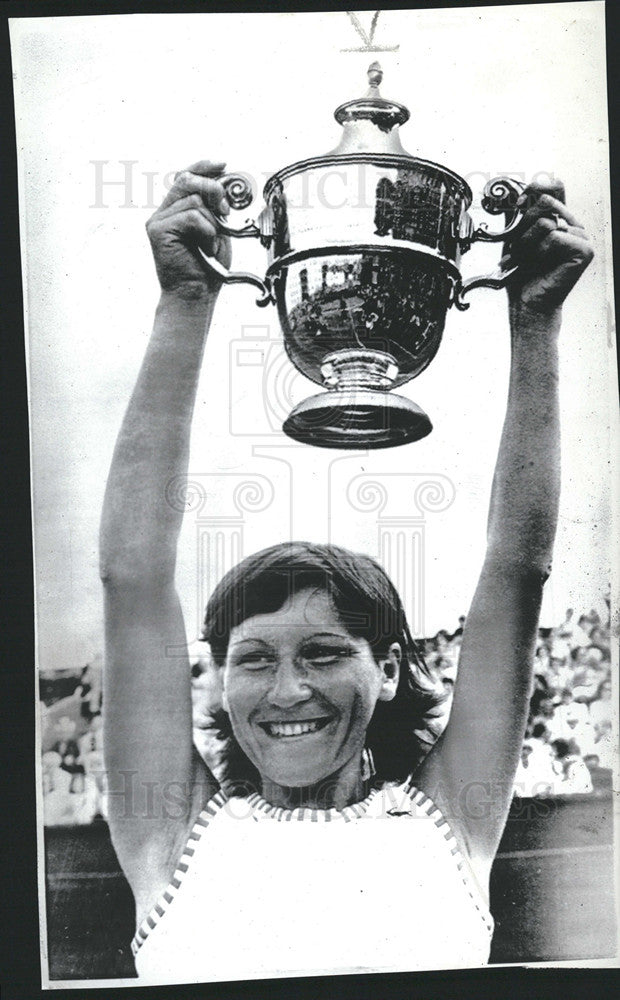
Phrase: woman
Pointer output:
(301, 862)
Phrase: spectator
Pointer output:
(566, 629)
(604, 746)
(600, 707)
(568, 709)
(52, 773)
(92, 740)
(206, 703)
(459, 630)
(58, 803)
(559, 673)
(581, 633)
(541, 689)
(572, 775)
(539, 741)
(62, 804)
(89, 690)
(91, 757)
(599, 639)
(67, 747)
(534, 775)
(571, 721)
(542, 708)
(541, 663)
(589, 676)
(601, 776)
(442, 640)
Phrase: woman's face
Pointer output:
(300, 690)
(546, 708)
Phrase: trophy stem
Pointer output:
(354, 368)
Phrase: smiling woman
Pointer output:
(315, 635)
(288, 866)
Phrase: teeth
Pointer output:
(292, 728)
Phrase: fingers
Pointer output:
(189, 201)
(208, 168)
(565, 258)
(554, 263)
(535, 190)
(189, 222)
(545, 228)
(552, 249)
(206, 185)
(546, 205)
(560, 247)
(534, 239)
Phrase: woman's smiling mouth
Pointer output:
(281, 730)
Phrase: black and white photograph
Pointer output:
(323, 416)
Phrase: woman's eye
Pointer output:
(255, 661)
(324, 657)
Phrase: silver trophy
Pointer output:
(362, 289)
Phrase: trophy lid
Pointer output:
(370, 123)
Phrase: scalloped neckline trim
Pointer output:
(264, 809)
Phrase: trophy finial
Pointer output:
(375, 74)
(372, 108)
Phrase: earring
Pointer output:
(368, 764)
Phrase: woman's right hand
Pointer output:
(186, 220)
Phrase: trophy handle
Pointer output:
(238, 191)
(239, 278)
(497, 279)
(500, 196)
(238, 195)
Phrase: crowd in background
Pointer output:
(73, 774)
(568, 748)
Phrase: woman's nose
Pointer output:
(289, 686)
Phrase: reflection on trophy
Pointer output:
(362, 289)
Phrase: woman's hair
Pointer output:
(368, 605)
(560, 747)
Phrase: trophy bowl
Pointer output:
(363, 284)
(359, 324)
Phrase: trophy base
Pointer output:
(357, 419)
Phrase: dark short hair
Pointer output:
(561, 747)
(401, 731)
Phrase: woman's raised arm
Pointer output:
(157, 783)
(470, 771)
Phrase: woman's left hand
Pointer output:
(550, 247)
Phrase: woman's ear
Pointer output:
(390, 668)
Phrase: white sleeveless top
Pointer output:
(262, 892)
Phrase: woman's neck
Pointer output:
(334, 792)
